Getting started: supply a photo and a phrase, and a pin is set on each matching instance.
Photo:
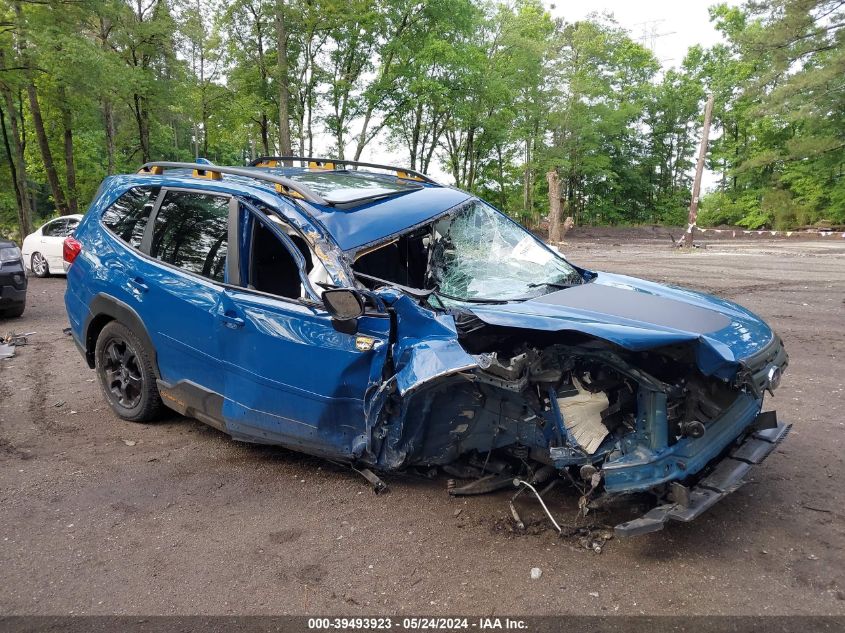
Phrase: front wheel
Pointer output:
(126, 374)
(13, 313)
(39, 266)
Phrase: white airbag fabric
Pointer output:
(582, 417)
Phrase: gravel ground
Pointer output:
(101, 516)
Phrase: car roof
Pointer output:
(365, 207)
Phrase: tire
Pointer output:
(126, 375)
(38, 265)
(13, 313)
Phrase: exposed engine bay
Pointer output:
(536, 404)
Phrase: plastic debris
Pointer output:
(536, 572)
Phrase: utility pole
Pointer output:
(699, 168)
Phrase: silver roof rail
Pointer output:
(284, 186)
(332, 163)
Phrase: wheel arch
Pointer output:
(104, 309)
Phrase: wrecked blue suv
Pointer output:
(373, 316)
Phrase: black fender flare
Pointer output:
(105, 308)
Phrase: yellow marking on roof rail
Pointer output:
(287, 191)
(316, 164)
(404, 175)
(208, 174)
(155, 170)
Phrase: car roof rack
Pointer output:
(284, 186)
(331, 163)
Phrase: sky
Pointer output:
(667, 27)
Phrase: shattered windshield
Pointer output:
(479, 254)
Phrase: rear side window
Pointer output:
(55, 229)
(127, 217)
(190, 231)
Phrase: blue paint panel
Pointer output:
(427, 345)
(291, 378)
(717, 353)
(353, 228)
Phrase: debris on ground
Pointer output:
(536, 572)
(10, 341)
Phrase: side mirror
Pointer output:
(344, 304)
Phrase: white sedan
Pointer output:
(42, 250)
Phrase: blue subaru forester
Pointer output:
(367, 314)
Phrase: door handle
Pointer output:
(138, 282)
(231, 320)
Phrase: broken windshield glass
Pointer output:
(478, 253)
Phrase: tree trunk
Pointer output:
(362, 137)
(554, 206)
(284, 92)
(21, 201)
(37, 120)
(142, 121)
(70, 166)
(108, 124)
(526, 179)
(17, 163)
(501, 174)
(265, 134)
(699, 170)
(46, 153)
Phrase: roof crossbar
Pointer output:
(332, 163)
(284, 186)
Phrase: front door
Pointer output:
(291, 378)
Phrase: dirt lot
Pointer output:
(102, 516)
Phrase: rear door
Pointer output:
(291, 378)
(52, 238)
(178, 285)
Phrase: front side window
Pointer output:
(269, 262)
(479, 254)
(127, 217)
(190, 231)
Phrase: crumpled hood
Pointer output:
(638, 315)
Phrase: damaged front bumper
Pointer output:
(727, 476)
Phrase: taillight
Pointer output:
(70, 249)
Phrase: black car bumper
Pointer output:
(12, 286)
(727, 475)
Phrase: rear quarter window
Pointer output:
(127, 216)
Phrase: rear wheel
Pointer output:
(39, 266)
(126, 374)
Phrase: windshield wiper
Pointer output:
(417, 293)
(553, 285)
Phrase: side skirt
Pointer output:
(193, 401)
